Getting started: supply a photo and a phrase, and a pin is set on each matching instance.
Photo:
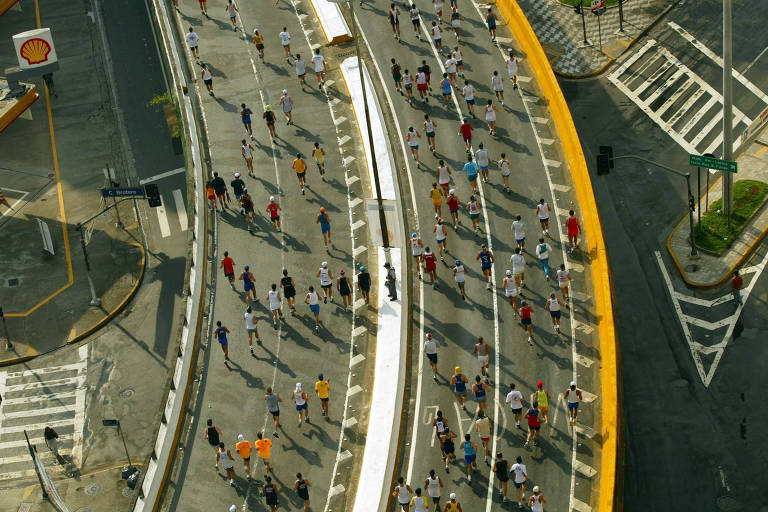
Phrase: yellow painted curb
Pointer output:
(18, 108)
(5, 5)
(574, 154)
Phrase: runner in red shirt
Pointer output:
(228, 264)
(274, 212)
(526, 321)
(574, 228)
(453, 207)
(466, 133)
(534, 425)
(430, 264)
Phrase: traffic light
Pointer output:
(691, 203)
(153, 195)
(605, 160)
(577, 8)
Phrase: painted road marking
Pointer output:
(580, 506)
(181, 210)
(344, 140)
(12, 209)
(162, 220)
(359, 358)
(163, 175)
(584, 469)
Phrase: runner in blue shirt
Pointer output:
(471, 169)
(248, 284)
(470, 455)
(221, 336)
(445, 88)
(486, 261)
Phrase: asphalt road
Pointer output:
(685, 443)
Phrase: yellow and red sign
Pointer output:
(34, 48)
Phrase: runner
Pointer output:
(483, 427)
(414, 13)
(453, 208)
(326, 281)
(319, 155)
(518, 226)
(232, 11)
(344, 286)
(441, 234)
(553, 305)
(422, 85)
(438, 10)
(250, 327)
(258, 40)
(193, 41)
(419, 502)
(245, 117)
(437, 200)
(465, 130)
(238, 187)
(470, 455)
(543, 249)
(220, 188)
(450, 68)
(248, 284)
(737, 282)
(271, 494)
(515, 401)
(397, 76)
(474, 213)
(429, 130)
(456, 54)
(564, 280)
(300, 166)
(512, 65)
(459, 277)
(243, 449)
(486, 261)
(364, 283)
(211, 194)
(203, 8)
(394, 20)
(537, 500)
(408, 84)
(403, 493)
(300, 398)
(542, 211)
(510, 290)
(430, 265)
(521, 476)
(501, 469)
(542, 398)
(286, 102)
(427, 73)
(417, 249)
(497, 86)
(213, 435)
(274, 209)
(275, 301)
(441, 427)
(285, 40)
(490, 20)
(269, 117)
(207, 76)
(247, 151)
(430, 349)
(572, 397)
(301, 70)
(574, 228)
(444, 177)
(480, 393)
(483, 351)
(483, 161)
(221, 336)
(459, 385)
(449, 449)
(412, 138)
(323, 388)
(534, 425)
(490, 116)
(471, 169)
(224, 456)
(437, 36)
(469, 96)
(289, 290)
(433, 485)
(325, 226)
(452, 505)
(504, 165)
(301, 487)
(273, 406)
(456, 24)
(526, 321)
(314, 306)
(247, 203)
(228, 264)
(319, 63)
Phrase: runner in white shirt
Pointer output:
(490, 116)
(483, 162)
(438, 9)
(496, 85)
(450, 68)
(459, 277)
(518, 226)
(553, 305)
(192, 41)
(563, 280)
(456, 54)
(430, 349)
(543, 250)
(437, 35)
(412, 137)
(443, 177)
(469, 96)
(510, 290)
(542, 211)
(285, 40)
(417, 249)
(440, 234)
(455, 22)
(504, 166)
(537, 500)
(512, 65)
(232, 11)
(433, 485)
(515, 401)
(314, 305)
(301, 70)
(518, 267)
(319, 62)
(326, 281)
(474, 214)
(521, 475)
(408, 86)
(250, 327)
(414, 13)
(572, 397)
(275, 301)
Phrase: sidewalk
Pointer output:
(710, 270)
(560, 32)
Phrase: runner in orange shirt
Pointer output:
(264, 447)
(243, 448)
(300, 166)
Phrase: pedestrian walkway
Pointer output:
(561, 32)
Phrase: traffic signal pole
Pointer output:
(727, 107)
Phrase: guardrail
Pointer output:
(388, 392)
(332, 22)
(165, 446)
(574, 154)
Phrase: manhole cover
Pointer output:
(127, 393)
(93, 489)
(691, 268)
(727, 504)
(13, 282)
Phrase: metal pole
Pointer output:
(694, 252)
(377, 185)
(698, 193)
(119, 223)
(727, 107)
(95, 301)
(621, 16)
(120, 430)
(599, 33)
(707, 192)
(583, 21)
(8, 344)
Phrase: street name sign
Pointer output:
(712, 163)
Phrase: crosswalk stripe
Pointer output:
(44, 384)
(32, 440)
(36, 426)
(181, 209)
(34, 399)
(44, 454)
(47, 411)
(44, 371)
(30, 473)
(162, 219)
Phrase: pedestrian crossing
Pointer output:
(53, 396)
(679, 101)
(165, 217)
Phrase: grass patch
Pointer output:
(713, 233)
(588, 3)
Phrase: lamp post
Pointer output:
(8, 344)
(377, 185)
(130, 469)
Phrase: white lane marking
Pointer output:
(704, 302)
(181, 209)
(580, 506)
(717, 60)
(163, 175)
(12, 209)
(633, 58)
(44, 371)
(755, 60)
(40, 411)
(32, 440)
(80, 405)
(584, 469)
(162, 219)
(43, 398)
(682, 89)
(710, 326)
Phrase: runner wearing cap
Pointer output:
(243, 448)
(437, 200)
(300, 398)
(553, 305)
(300, 166)
(238, 186)
(286, 102)
(510, 290)
(323, 388)
(526, 321)
(459, 277)
(248, 284)
(534, 424)
(453, 208)
(542, 397)
(319, 155)
(537, 500)
(258, 40)
(572, 397)
(364, 283)
(274, 212)
(412, 137)
(269, 118)
(452, 505)
(417, 249)
(459, 385)
(344, 286)
(441, 233)
(325, 226)
(326, 281)
(430, 350)
(314, 306)
(430, 265)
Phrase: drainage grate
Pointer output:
(13, 282)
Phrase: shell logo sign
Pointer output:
(34, 48)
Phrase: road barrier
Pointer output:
(609, 429)
(157, 468)
(332, 22)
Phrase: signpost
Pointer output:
(713, 163)
(598, 8)
(122, 192)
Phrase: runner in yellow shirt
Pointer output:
(419, 503)
(437, 200)
(300, 166)
(322, 388)
(264, 447)
(319, 154)
(542, 396)
(243, 447)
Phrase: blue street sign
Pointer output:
(122, 192)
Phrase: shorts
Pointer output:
(302, 407)
(470, 102)
(408, 87)
(535, 429)
(469, 459)
(520, 240)
(544, 220)
(431, 135)
(414, 147)
(572, 406)
(481, 399)
(315, 308)
(324, 399)
(301, 75)
(275, 218)
(289, 292)
(220, 194)
(397, 78)
(453, 210)
(483, 360)
(238, 196)
(415, 22)
(250, 330)
(259, 46)
(230, 276)
(503, 476)
(511, 293)
(441, 241)
(320, 165)
(394, 21)
(275, 414)
(517, 411)
(572, 233)
(324, 228)
(498, 89)
(468, 141)
(246, 459)
(485, 439)
(520, 484)
(474, 215)
(208, 82)
(300, 175)
(223, 343)
(421, 87)
(483, 167)
(460, 393)
(555, 314)
(526, 321)
(326, 286)
(472, 177)
(455, 23)
(432, 357)
(485, 269)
